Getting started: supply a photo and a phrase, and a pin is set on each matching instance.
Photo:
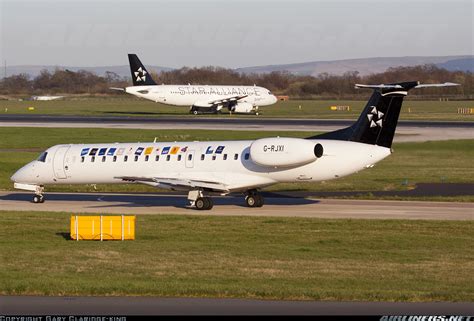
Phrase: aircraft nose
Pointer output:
(16, 177)
(23, 175)
(274, 99)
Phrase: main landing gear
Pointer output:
(200, 201)
(204, 203)
(254, 199)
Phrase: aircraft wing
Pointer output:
(226, 102)
(175, 183)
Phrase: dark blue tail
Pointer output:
(376, 125)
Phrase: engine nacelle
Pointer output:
(244, 108)
(284, 152)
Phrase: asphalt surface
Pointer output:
(278, 206)
(41, 305)
(213, 120)
(407, 131)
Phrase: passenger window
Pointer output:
(168, 157)
(157, 158)
(136, 157)
(114, 159)
(103, 159)
(225, 157)
(202, 156)
(213, 157)
(146, 158)
(82, 159)
(236, 156)
(92, 159)
(246, 156)
(179, 158)
(125, 158)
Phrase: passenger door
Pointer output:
(190, 159)
(58, 162)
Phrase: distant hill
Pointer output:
(364, 66)
(463, 64)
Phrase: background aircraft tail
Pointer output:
(376, 125)
(140, 76)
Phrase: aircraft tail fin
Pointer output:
(140, 76)
(377, 122)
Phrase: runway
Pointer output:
(44, 305)
(277, 206)
(406, 131)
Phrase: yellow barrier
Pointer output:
(468, 111)
(340, 108)
(111, 227)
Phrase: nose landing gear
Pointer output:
(38, 198)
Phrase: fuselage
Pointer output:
(227, 162)
(188, 95)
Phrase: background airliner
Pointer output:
(222, 167)
(200, 99)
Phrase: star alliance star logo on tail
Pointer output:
(375, 117)
(140, 74)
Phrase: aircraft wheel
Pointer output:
(38, 199)
(259, 201)
(195, 112)
(251, 200)
(254, 200)
(204, 203)
(209, 204)
(200, 203)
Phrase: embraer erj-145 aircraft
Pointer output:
(222, 167)
(202, 99)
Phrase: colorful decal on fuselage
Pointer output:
(148, 150)
(218, 150)
(139, 151)
(111, 151)
(174, 150)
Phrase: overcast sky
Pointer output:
(230, 33)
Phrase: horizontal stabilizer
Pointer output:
(401, 86)
(116, 88)
(446, 84)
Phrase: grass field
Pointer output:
(411, 163)
(246, 257)
(415, 110)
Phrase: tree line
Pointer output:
(281, 83)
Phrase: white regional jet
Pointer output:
(222, 167)
(200, 99)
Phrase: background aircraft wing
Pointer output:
(227, 102)
(177, 183)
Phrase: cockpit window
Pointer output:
(270, 93)
(42, 157)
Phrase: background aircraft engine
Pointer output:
(242, 108)
(284, 152)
